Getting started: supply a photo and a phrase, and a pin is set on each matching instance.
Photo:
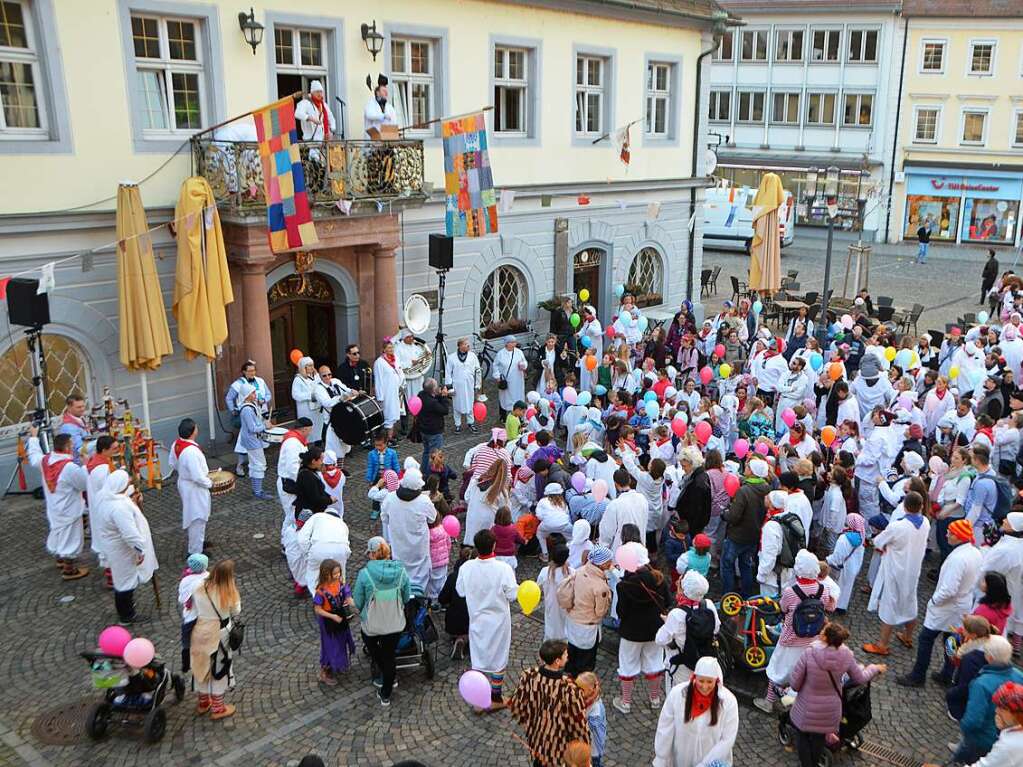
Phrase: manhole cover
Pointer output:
(62, 725)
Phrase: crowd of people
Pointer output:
(645, 468)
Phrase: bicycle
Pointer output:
(485, 353)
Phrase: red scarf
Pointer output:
(293, 435)
(321, 105)
(391, 360)
(792, 439)
(700, 703)
(331, 477)
(53, 464)
(486, 556)
(98, 460)
(987, 432)
(68, 418)
(180, 445)
(940, 394)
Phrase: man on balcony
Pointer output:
(314, 113)
(378, 111)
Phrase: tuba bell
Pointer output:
(417, 320)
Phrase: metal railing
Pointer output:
(334, 170)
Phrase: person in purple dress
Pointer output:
(331, 603)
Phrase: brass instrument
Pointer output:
(417, 320)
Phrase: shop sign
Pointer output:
(957, 186)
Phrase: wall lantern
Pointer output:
(251, 29)
(373, 39)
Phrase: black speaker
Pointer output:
(24, 307)
(442, 251)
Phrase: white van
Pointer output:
(728, 218)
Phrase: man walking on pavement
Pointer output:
(923, 236)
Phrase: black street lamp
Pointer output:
(373, 39)
(828, 179)
(251, 29)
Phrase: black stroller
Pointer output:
(131, 697)
(417, 645)
(856, 714)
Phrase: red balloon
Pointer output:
(706, 375)
(719, 350)
(731, 485)
(703, 432)
(479, 412)
(678, 426)
(781, 345)
(610, 331)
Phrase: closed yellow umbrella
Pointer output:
(765, 252)
(145, 338)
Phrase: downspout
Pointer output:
(696, 149)
(895, 138)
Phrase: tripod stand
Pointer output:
(440, 352)
(41, 415)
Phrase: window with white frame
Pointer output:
(926, 128)
(168, 73)
(299, 58)
(754, 45)
(725, 50)
(785, 108)
(974, 127)
(511, 88)
(820, 109)
(863, 46)
(932, 56)
(826, 45)
(720, 106)
(590, 92)
(788, 45)
(658, 99)
(1017, 133)
(413, 89)
(751, 107)
(22, 113)
(982, 57)
(859, 110)
(646, 273)
(503, 296)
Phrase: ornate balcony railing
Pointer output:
(334, 170)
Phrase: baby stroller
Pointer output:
(131, 697)
(753, 637)
(417, 645)
(856, 714)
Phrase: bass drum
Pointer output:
(355, 421)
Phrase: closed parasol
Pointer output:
(765, 252)
(145, 339)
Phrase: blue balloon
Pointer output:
(758, 307)
(584, 398)
(652, 409)
(816, 361)
(600, 390)
(650, 396)
(643, 323)
(619, 290)
(904, 358)
(586, 342)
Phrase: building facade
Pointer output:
(960, 149)
(115, 89)
(808, 84)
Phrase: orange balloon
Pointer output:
(828, 435)
(835, 371)
(295, 356)
(591, 362)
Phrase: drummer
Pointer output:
(250, 437)
(329, 392)
(234, 405)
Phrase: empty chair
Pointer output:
(793, 273)
(811, 296)
(884, 301)
(714, 279)
(885, 313)
(970, 318)
(739, 289)
(705, 281)
(912, 317)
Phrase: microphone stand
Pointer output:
(342, 103)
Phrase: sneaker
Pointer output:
(374, 515)
(378, 682)
(953, 747)
(385, 702)
(474, 429)
(907, 680)
(458, 430)
(765, 705)
(239, 471)
(137, 618)
(656, 703)
(621, 705)
(226, 711)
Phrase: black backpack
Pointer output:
(700, 625)
(793, 538)
(808, 618)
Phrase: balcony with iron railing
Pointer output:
(368, 174)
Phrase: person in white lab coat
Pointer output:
(378, 111)
(314, 114)
(771, 576)
(64, 481)
(686, 738)
(389, 377)
(288, 461)
(902, 546)
(323, 536)
(1006, 557)
(99, 466)
(692, 602)
(510, 368)
(488, 586)
(127, 542)
(549, 578)
(792, 389)
(408, 353)
(952, 598)
(628, 507)
(846, 559)
(463, 376)
(303, 391)
(193, 483)
(407, 514)
(329, 392)
(234, 405)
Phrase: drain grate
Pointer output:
(888, 755)
(62, 725)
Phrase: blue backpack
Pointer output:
(1005, 495)
(808, 618)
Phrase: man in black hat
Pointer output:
(378, 110)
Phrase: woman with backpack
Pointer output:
(380, 594)
(803, 604)
(817, 677)
(690, 630)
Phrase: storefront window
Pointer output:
(941, 212)
(990, 220)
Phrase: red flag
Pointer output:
(3, 287)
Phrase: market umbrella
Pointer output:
(765, 252)
(202, 283)
(145, 338)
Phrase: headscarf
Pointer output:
(198, 563)
(709, 667)
(962, 529)
(806, 565)
(600, 555)
(391, 480)
(302, 363)
(694, 586)
(412, 479)
(855, 523)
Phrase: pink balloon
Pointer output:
(415, 404)
(600, 489)
(627, 557)
(788, 416)
(113, 639)
(451, 525)
(139, 652)
(570, 395)
(479, 412)
(678, 426)
(703, 432)
(579, 482)
(610, 331)
(719, 350)
(740, 448)
(731, 485)
(762, 448)
(475, 689)
(706, 375)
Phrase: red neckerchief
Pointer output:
(331, 477)
(486, 556)
(68, 418)
(792, 440)
(700, 703)
(768, 353)
(987, 432)
(940, 394)
(321, 105)
(663, 441)
(53, 464)
(293, 434)
(97, 460)
(807, 581)
(391, 360)
(181, 444)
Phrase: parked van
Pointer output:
(728, 218)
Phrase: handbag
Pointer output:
(236, 627)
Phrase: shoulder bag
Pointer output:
(235, 626)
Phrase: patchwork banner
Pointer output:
(468, 179)
(289, 217)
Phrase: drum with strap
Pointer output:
(355, 421)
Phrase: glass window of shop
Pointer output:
(942, 213)
(990, 220)
(975, 208)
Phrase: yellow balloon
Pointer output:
(889, 353)
(725, 370)
(529, 596)
(953, 372)
(584, 295)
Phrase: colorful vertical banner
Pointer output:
(468, 179)
(289, 217)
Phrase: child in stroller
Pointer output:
(417, 643)
(754, 630)
(131, 696)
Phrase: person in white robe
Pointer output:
(628, 507)
(1006, 557)
(969, 358)
(548, 579)
(193, 484)
(314, 115)
(378, 110)
(323, 536)
(64, 481)
(694, 589)
(303, 392)
(486, 493)
(1011, 346)
(938, 401)
(389, 378)
(99, 466)
(871, 390)
(330, 392)
(846, 559)
(489, 587)
(234, 405)
(288, 462)
(697, 742)
(408, 353)
(127, 542)
(408, 514)
(464, 377)
(510, 366)
(772, 578)
(902, 546)
(333, 479)
(792, 389)
(592, 329)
